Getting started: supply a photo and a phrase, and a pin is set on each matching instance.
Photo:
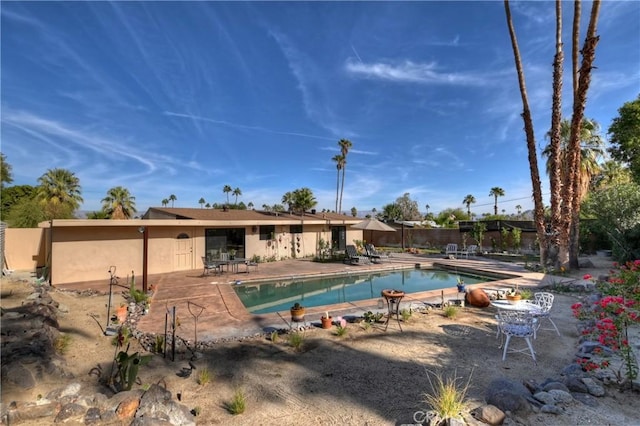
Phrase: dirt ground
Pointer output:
(366, 377)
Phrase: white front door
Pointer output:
(183, 254)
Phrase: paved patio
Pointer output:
(222, 315)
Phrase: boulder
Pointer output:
(477, 297)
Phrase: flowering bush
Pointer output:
(610, 317)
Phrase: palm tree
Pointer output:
(468, 200)
(612, 173)
(227, 189)
(495, 193)
(250, 205)
(59, 192)
(519, 209)
(201, 201)
(119, 203)
(172, 198)
(303, 200)
(236, 193)
(339, 159)
(591, 146)
(165, 202)
(591, 153)
(288, 199)
(427, 207)
(531, 140)
(345, 145)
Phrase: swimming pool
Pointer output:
(279, 296)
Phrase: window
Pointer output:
(295, 229)
(267, 232)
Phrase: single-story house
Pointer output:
(171, 239)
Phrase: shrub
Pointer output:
(450, 311)
(204, 376)
(296, 340)
(238, 403)
(61, 344)
(341, 330)
(446, 398)
(405, 314)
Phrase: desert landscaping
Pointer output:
(365, 376)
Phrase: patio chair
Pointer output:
(251, 264)
(351, 256)
(516, 324)
(373, 254)
(470, 250)
(451, 251)
(210, 265)
(544, 301)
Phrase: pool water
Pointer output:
(280, 296)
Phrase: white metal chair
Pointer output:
(470, 250)
(451, 251)
(516, 324)
(545, 301)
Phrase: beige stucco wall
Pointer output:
(25, 248)
(85, 250)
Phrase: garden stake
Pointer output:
(166, 324)
(173, 336)
(195, 320)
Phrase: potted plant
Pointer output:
(232, 254)
(513, 295)
(327, 320)
(297, 312)
(461, 286)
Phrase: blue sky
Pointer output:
(186, 97)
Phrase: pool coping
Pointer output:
(227, 318)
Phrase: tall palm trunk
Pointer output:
(337, 188)
(531, 142)
(555, 163)
(579, 104)
(344, 167)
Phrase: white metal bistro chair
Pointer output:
(544, 301)
(451, 251)
(516, 324)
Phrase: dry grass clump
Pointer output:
(447, 396)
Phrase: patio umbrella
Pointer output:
(372, 224)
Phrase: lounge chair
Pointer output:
(351, 256)
(451, 251)
(373, 254)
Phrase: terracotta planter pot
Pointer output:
(297, 315)
(327, 322)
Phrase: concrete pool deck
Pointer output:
(221, 315)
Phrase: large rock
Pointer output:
(508, 395)
(477, 297)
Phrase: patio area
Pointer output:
(221, 314)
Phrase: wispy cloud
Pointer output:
(244, 126)
(411, 72)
